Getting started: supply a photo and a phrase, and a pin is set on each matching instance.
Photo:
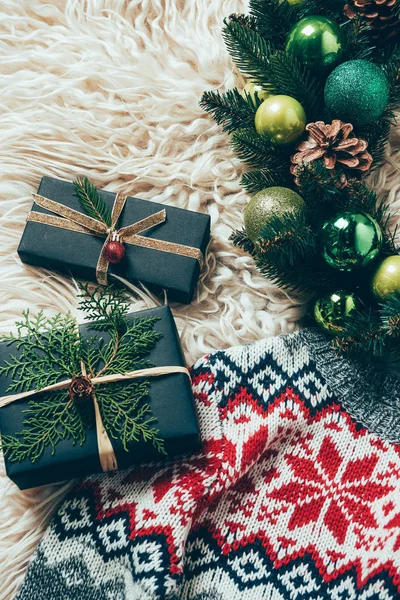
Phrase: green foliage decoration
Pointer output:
(287, 250)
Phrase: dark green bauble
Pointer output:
(273, 201)
(351, 240)
(317, 42)
(357, 92)
(331, 311)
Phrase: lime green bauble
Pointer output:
(386, 279)
(281, 118)
(295, 2)
(273, 201)
(251, 89)
(357, 92)
(317, 42)
(351, 240)
(331, 311)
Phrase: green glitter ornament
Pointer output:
(317, 42)
(331, 311)
(357, 92)
(351, 240)
(273, 201)
(281, 118)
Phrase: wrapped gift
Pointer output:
(163, 246)
(166, 412)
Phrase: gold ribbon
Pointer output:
(108, 460)
(72, 220)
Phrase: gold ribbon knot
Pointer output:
(72, 220)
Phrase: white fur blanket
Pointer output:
(110, 89)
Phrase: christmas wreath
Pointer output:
(312, 122)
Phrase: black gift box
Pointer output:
(47, 246)
(170, 398)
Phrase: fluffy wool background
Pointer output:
(110, 89)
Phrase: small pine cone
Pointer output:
(336, 147)
(379, 15)
(80, 389)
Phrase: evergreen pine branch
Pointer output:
(240, 239)
(362, 336)
(288, 238)
(288, 76)
(230, 110)
(91, 201)
(390, 316)
(49, 420)
(243, 20)
(249, 50)
(357, 43)
(257, 151)
(274, 19)
(255, 181)
(377, 136)
(319, 188)
(124, 415)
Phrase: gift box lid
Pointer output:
(77, 253)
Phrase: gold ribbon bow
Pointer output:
(72, 220)
(107, 457)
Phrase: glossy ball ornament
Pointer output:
(273, 201)
(351, 240)
(357, 92)
(317, 42)
(114, 252)
(386, 279)
(331, 311)
(251, 89)
(281, 118)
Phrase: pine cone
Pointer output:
(378, 14)
(334, 144)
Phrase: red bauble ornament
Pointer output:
(114, 252)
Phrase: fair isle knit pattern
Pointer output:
(293, 496)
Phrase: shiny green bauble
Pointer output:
(351, 240)
(386, 279)
(273, 201)
(251, 89)
(331, 311)
(357, 92)
(317, 42)
(281, 118)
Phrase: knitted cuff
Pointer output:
(370, 395)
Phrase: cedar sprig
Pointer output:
(91, 201)
(48, 350)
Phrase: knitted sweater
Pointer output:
(295, 495)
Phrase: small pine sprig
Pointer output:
(257, 151)
(255, 181)
(288, 238)
(274, 19)
(230, 109)
(390, 316)
(50, 350)
(91, 201)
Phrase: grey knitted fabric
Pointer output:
(295, 495)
